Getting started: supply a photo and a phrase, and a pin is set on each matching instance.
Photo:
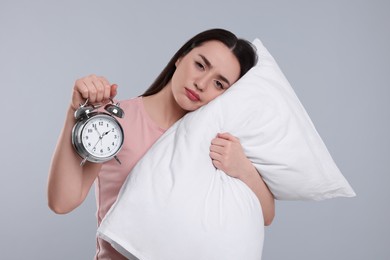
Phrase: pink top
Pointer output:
(140, 134)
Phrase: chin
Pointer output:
(188, 105)
(190, 108)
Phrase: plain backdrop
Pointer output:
(335, 54)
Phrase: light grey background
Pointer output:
(335, 54)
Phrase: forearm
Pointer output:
(254, 181)
(227, 155)
(68, 182)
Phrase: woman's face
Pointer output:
(203, 74)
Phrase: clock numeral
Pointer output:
(94, 125)
(101, 150)
(89, 131)
(89, 144)
(100, 123)
(108, 149)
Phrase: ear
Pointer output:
(178, 61)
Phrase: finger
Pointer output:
(217, 164)
(219, 141)
(99, 87)
(216, 156)
(80, 88)
(106, 89)
(217, 149)
(90, 92)
(113, 90)
(227, 136)
(79, 94)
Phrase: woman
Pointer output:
(201, 70)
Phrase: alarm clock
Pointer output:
(98, 136)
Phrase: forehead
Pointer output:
(221, 59)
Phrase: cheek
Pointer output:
(174, 85)
(212, 94)
(178, 77)
(182, 69)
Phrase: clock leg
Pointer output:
(117, 159)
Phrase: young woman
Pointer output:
(202, 69)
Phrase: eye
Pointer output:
(219, 85)
(199, 65)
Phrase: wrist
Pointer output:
(70, 114)
(248, 172)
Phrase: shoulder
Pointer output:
(132, 108)
(135, 101)
(130, 105)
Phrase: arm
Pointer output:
(227, 155)
(68, 182)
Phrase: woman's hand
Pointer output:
(94, 88)
(227, 155)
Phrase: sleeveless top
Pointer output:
(140, 133)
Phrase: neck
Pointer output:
(162, 108)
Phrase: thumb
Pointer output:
(114, 90)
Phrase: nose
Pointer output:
(201, 83)
(198, 87)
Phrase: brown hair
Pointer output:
(242, 49)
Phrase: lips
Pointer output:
(192, 95)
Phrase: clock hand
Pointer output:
(97, 130)
(105, 133)
(100, 138)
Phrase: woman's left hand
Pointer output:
(227, 155)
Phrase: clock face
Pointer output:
(102, 136)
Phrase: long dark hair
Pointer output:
(243, 50)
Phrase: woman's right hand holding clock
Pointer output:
(96, 89)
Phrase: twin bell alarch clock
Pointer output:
(97, 136)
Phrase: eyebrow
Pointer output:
(205, 60)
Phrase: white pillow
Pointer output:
(176, 205)
(278, 135)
